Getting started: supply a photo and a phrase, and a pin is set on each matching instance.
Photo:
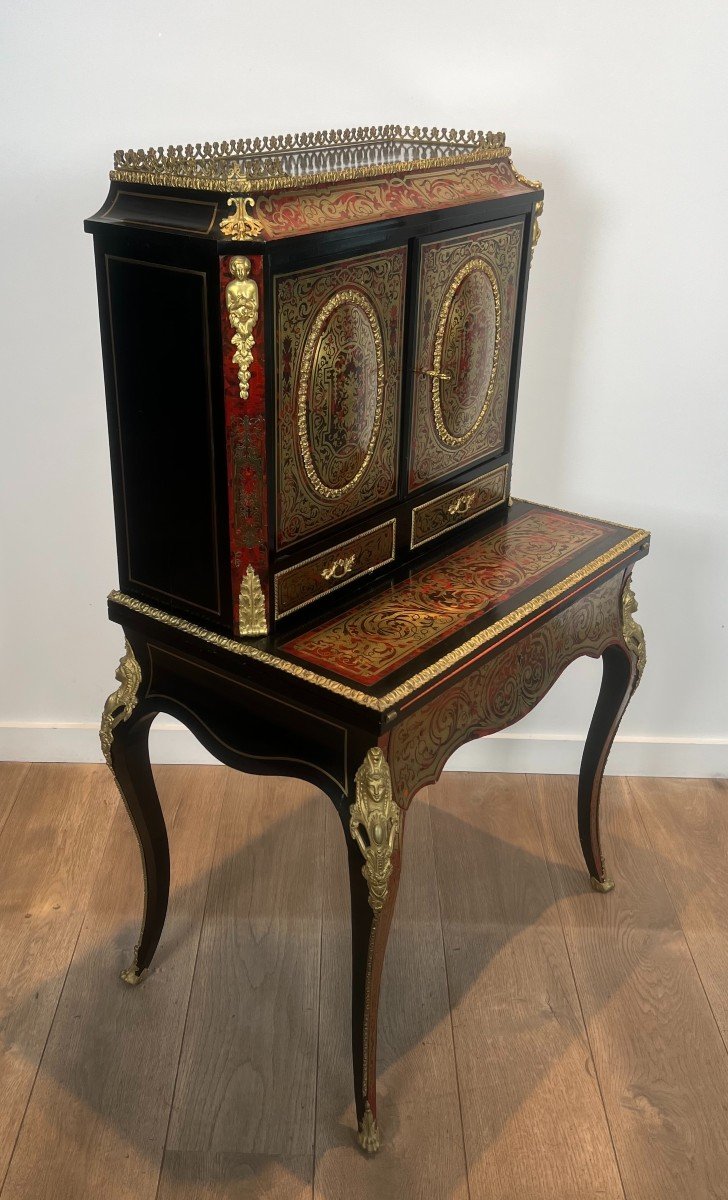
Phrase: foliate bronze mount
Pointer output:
(251, 606)
(122, 702)
(241, 224)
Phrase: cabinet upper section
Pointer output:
(267, 189)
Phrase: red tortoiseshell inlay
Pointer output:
(337, 205)
(245, 441)
(376, 637)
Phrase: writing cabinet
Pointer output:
(311, 352)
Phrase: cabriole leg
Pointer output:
(376, 826)
(125, 743)
(622, 667)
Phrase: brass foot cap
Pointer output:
(602, 885)
(369, 1132)
(132, 975)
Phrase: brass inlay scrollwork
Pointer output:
(241, 299)
(633, 633)
(241, 224)
(251, 606)
(374, 824)
(339, 568)
(346, 296)
(438, 375)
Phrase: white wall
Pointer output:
(618, 107)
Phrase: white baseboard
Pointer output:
(536, 753)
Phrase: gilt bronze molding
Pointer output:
(633, 633)
(251, 606)
(375, 812)
(122, 702)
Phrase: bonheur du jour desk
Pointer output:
(311, 350)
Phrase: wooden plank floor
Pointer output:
(537, 1041)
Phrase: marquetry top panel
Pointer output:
(487, 577)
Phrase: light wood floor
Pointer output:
(536, 1040)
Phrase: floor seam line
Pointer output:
(449, 999)
(327, 816)
(666, 885)
(60, 994)
(189, 1000)
(598, 1081)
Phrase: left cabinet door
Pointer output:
(338, 352)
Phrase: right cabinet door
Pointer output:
(467, 294)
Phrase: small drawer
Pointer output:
(332, 569)
(458, 506)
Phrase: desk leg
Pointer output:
(125, 742)
(376, 826)
(622, 666)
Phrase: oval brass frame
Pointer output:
(473, 264)
(343, 296)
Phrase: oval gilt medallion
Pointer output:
(340, 393)
(465, 352)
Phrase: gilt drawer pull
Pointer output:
(462, 505)
(339, 568)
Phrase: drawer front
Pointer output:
(468, 285)
(338, 333)
(458, 506)
(334, 568)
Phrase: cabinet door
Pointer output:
(338, 369)
(467, 293)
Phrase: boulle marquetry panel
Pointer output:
(339, 336)
(466, 313)
(509, 682)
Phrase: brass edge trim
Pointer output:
(568, 512)
(333, 550)
(476, 482)
(383, 703)
(236, 179)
